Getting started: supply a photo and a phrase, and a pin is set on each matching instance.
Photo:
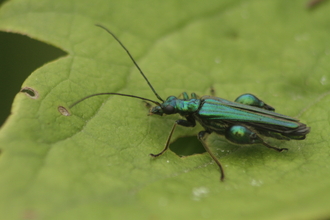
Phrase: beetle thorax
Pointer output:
(173, 105)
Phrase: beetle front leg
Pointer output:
(252, 100)
(190, 122)
(239, 134)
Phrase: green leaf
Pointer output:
(95, 164)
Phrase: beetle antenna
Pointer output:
(129, 54)
(113, 93)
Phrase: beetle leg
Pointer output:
(239, 134)
(275, 148)
(190, 122)
(167, 142)
(184, 96)
(202, 135)
(194, 96)
(249, 99)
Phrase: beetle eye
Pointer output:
(168, 109)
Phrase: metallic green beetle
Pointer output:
(242, 122)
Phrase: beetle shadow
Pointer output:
(187, 146)
(190, 145)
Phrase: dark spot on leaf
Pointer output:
(63, 111)
(30, 214)
(232, 34)
(314, 3)
(186, 146)
(212, 91)
(30, 92)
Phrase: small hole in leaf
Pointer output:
(186, 146)
(30, 92)
(63, 111)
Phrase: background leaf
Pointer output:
(95, 163)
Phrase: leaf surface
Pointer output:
(95, 164)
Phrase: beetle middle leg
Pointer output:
(202, 135)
